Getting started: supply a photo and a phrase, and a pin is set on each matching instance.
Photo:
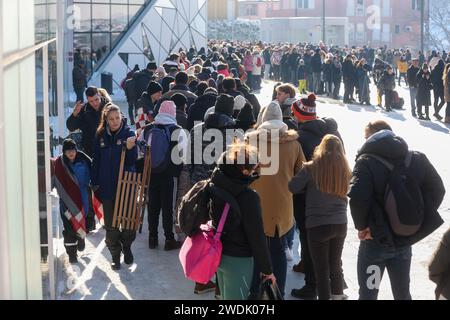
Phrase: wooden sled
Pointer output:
(132, 195)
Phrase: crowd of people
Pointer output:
(310, 190)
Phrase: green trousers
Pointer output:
(235, 277)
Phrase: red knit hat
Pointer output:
(305, 109)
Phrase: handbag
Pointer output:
(201, 254)
(269, 291)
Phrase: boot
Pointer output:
(152, 243)
(172, 245)
(115, 265)
(305, 293)
(299, 267)
(128, 255)
(427, 113)
(81, 245)
(72, 253)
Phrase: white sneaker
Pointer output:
(339, 297)
(289, 254)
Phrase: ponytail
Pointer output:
(104, 118)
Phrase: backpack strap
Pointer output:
(223, 219)
(386, 163)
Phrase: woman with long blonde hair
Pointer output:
(325, 180)
(113, 134)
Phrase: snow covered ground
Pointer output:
(157, 274)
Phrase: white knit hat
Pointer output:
(272, 112)
(239, 103)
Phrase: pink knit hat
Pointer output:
(168, 107)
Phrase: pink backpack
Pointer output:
(201, 254)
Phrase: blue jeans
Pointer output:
(277, 248)
(373, 259)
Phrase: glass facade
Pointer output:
(44, 20)
(101, 23)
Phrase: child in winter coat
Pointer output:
(301, 75)
(71, 178)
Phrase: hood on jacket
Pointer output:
(319, 127)
(219, 121)
(386, 145)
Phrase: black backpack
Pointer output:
(403, 200)
(193, 210)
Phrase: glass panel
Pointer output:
(100, 44)
(119, 18)
(114, 37)
(85, 18)
(132, 11)
(82, 50)
(100, 17)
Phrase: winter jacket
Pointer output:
(142, 79)
(276, 200)
(439, 268)
(106, 160)
(436, 78)
(184, 90)
(387, 81)
(87, 121)
(402, 66)
(252, 99)
(204, 170)
(348, 71)
(243, 233)
(145, 103)
(286, 109)
(424, 87)
(79, 78)
(248, 63)
(412, 76)
(182, 119)
(257, 67)
(368, 186)
(447, 88)
(301, 73)
(363, 84)
(80, 170)
(321, 209)
(336, 73)
(311, 134)
(196, 112)
(316, 63)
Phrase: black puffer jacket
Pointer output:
(204, 170)
(87, 121)
(243, 233)
(367, 189)
(424, 87)
(311, 134)
(196, 112)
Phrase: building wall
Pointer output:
(392, 13)
(255, 10)
(223, 9)
(19, 227)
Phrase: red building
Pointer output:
(395, 23)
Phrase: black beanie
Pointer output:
(179, 99)
(225, 105)
(154, 87)
(69, 144)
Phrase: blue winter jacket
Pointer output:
(106, 160)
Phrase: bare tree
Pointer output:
(439, 36)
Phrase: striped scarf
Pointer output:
(69, 192)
